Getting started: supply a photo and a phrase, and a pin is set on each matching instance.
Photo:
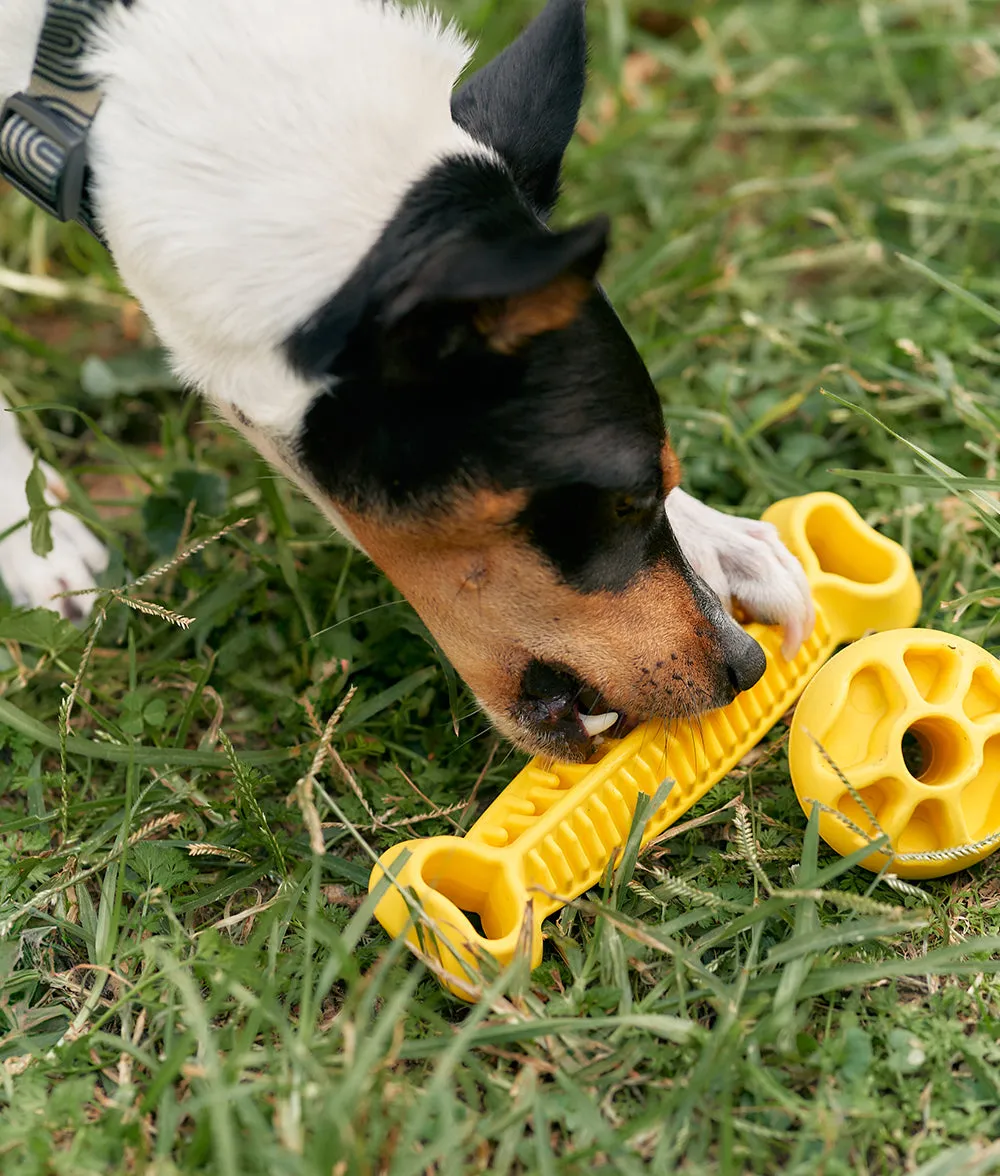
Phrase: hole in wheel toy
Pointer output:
(936, 750)
(925, 830)
(863, 729)
(913, 755)
(934, 672)
(875, 796)
(983, 700)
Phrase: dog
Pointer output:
(348, 255)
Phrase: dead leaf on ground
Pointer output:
(639, 71)
(659, 23)
(113, 495)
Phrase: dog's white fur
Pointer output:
(76, 557)
(20, 26)
(247, 154)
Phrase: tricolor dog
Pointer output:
(346, 250)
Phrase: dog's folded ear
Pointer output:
(525, 103)
(507, 290)
(493, 283)
(463, 263)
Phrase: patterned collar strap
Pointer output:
(43, 130)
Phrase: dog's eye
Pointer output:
(630, 508)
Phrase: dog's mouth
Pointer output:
(564, 716)
(598, 718)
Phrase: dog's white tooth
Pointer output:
(595, 724)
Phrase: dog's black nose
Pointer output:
(745, 660)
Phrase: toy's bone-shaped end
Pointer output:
(859, 579)
(451, 881)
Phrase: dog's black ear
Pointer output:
(437, 284)
(525, 103)
(507, 290)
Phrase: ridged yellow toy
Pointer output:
(551, 834)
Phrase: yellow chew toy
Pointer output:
(944, 692)
(552, 832)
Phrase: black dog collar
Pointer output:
(43, 130)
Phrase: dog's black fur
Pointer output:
(428, 406)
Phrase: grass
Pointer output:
(805, 199)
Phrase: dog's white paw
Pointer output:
(76, 558)
(744, 562)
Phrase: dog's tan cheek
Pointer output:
(648, 649)
(452, 568)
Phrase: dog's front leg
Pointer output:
(76, 557)
(744, 562)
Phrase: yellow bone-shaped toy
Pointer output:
(551, 833)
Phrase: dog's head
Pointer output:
(492, 439)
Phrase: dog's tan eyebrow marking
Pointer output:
(510, 323)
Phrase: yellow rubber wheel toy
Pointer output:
(911, 719)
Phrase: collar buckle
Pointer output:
(44, 156)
